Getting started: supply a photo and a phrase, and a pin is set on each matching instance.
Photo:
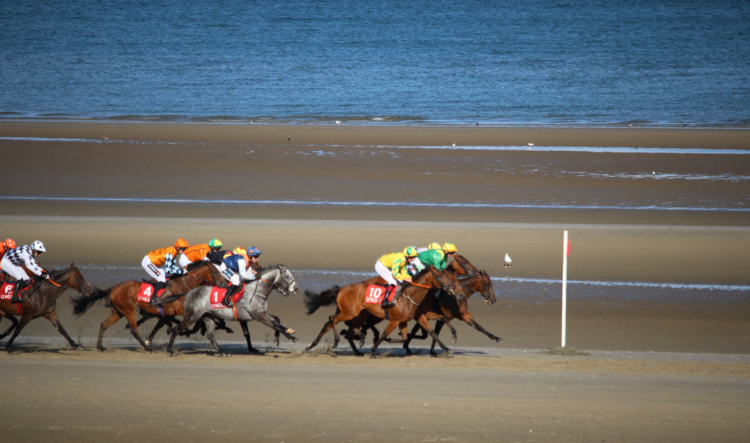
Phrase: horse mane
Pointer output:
(58, 272)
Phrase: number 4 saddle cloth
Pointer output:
(147, 291)
(375, 293)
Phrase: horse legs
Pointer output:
(354, 325)
(133, 325)
(438, 327)
(210, 330)
(186, 321)
(113, 318)
(21, 323)
(10, 329)
(426, 325)
(470, 321)
(52, 317)
(388, 329)
(160, 324)
(331, 323)
(413, 335)
(246, 333)
(276, 334)
(270, 321)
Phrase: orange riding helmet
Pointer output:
(181, 243)
(10, 244)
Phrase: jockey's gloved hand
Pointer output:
(44, 275)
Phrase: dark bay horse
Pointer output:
(123, 299)
(350, 305)
(252, 306)
(40, 301)
(472, 280)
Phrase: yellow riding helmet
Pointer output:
(410, 251)
(449, 247)
(240, 251)
(434, 245)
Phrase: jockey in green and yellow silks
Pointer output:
(393, 269)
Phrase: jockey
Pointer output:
(393, 269)
(237, 269)
(450, 251)
(200, 252)
(431, 257)
(161, 262)
(6, 246)
(25, 255)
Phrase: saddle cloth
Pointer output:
(218, 293)
(6, 290)
(375, 293)
(147, 290)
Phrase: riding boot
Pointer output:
(16, 298)
(399, 291)
(228, 297)
(388, 304)
(158, 286)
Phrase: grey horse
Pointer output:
(252, 306)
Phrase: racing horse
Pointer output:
(252, 306)
(123, 299)
(448, 308)
(351, 305)
(40, 301)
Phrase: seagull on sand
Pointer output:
(653, 173)
(338, 122)
(630, 125)
(454, 145)
(508, 261)
(105, 137)
(531, 146)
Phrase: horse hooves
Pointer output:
(294, 340)
(373, 356)
(79, 348)
(101, 349)
(148, 342)
(254, 351)
(499, 340)
(172, 354)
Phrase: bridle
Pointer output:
(284, 290)
(79, 280)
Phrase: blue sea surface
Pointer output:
(650, 62)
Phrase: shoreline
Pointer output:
(721, 138)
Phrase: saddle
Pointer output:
(6, 289)
(374, 293)
(218, 293)
(146, 291)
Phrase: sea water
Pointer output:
(538, 62)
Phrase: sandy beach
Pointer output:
(298, 194)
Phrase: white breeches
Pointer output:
(385, 273)
(184, 261)
(154, 271)
(14, 271)
(231, 276)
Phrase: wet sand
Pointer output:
(126, 396)
(289, 399)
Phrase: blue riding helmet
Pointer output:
(252, 251)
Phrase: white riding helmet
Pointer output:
(38, 246)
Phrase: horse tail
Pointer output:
(85, 302)
(314, 300)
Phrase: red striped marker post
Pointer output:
(566, 253)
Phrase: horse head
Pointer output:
(488, 292)
(78, 282)
(448, 282)
(282, 280)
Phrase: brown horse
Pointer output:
(40, 301)
(472, 280)
(123, 299)
(350, 301)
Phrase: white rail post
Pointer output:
(565, 285)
